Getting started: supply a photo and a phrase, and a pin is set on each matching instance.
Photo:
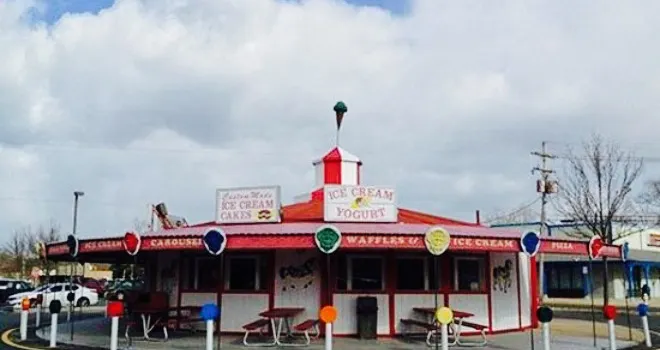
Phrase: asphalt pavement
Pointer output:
(621, 319)
(11, 319)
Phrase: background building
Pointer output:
(568, 276)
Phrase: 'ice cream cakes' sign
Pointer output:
(248, 205)
(350, 203)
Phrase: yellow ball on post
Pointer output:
(444, 315)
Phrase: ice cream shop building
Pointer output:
(342, 241)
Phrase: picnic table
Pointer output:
(152, 317)
(277, 319)
(456, 326)
(282, 315)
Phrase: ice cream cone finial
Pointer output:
(340, 109)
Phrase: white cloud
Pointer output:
(166, 100)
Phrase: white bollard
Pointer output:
(328, 336)
(444, 337)
(115, 309)
(546, 335)
(37, 319)
(643, 310)
(53, 330)
(647, 334)
(612, 334)
(114, 333)
(209, 335)
(328, 315)
(24, 324)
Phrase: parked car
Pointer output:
(123, 288)
(94, 285)
(57, 291)
(10, 286)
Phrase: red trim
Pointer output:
(489, 284)
(317, 195)
(324, 287)
(332, 155)
(220, 290)
(332, 172)
(534, 288)
(518, 288)
(179, 278)
(351, 241)
(577, 248)
(292, 241)
(273, 273)
(446, 282)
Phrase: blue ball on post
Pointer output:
(643, 309)
(210, 312)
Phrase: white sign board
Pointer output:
(248, 205)
(349, 203)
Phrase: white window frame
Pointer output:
(482, 271)
(257, 275)
(427, 268)
(349, 269)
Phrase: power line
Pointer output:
(514, 212)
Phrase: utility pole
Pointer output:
(544, 186)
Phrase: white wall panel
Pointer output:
(347, 317)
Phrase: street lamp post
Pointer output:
(76, 196)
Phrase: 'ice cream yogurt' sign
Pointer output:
(248, 205)
(349, 203)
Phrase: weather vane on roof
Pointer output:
(340, 109)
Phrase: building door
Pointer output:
(298, 281)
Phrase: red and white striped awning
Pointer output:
(354, 236)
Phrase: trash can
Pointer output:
(367, 317)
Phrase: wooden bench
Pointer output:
(479, 327)
(305, 327)
(257, 325)
(429, 327)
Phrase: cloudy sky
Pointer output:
(141, 101)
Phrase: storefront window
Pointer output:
(411, 274)
(367, 273)
(361, 273)
(577, 281)
(469, 274)
(208, 274)
(416, 273)
(246, 273)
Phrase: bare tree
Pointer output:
(17, 251)
(20, 252)
(595, 187)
